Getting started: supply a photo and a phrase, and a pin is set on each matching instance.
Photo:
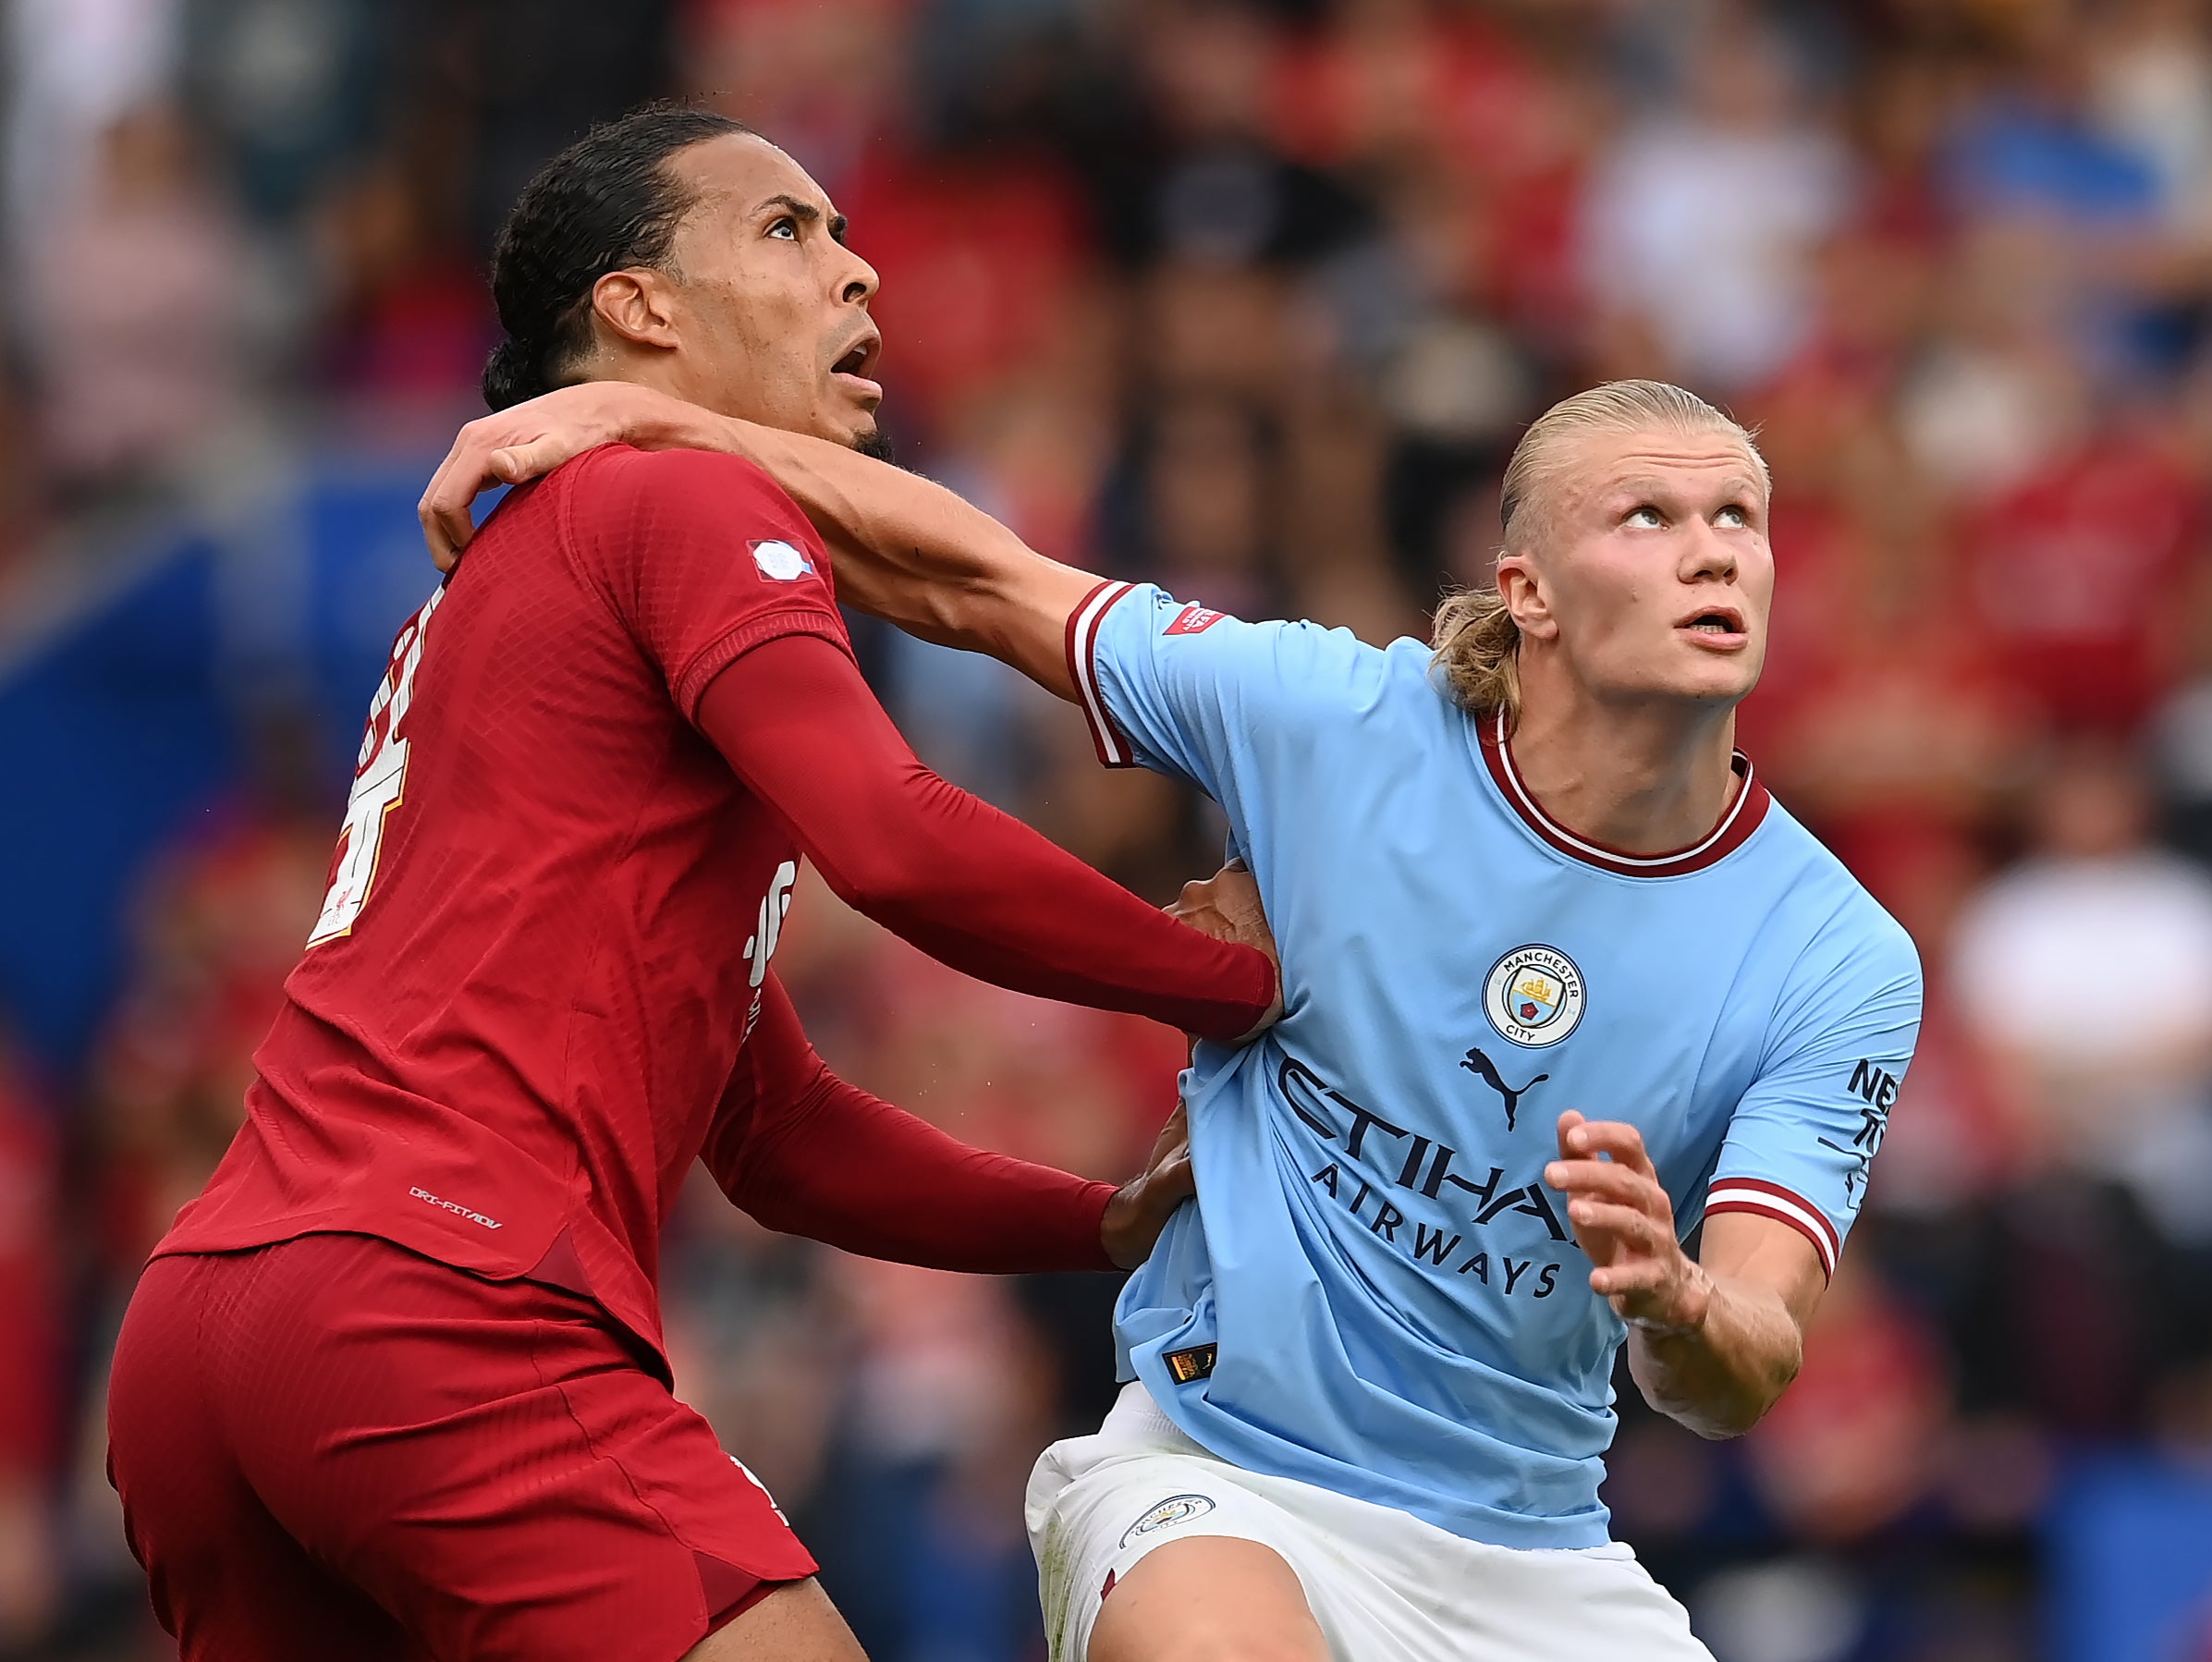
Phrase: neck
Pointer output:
(1646, 777)
(663, 372)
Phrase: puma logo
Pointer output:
(1477, 1063)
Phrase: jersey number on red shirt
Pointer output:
(379, 780)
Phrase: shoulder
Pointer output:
(1851, 945)
(618, 486)
(1867, 940)
(1295, 656)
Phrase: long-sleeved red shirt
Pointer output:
(968, 884)
(806, 1152)
(544, 952)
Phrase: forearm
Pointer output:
(846, 1168)
(914, 553)
(984, 894)
(969, 885)
(906, 550)
(1714, 1341)
(1719, 1375)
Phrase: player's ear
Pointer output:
(637, 306)
(1520, 585)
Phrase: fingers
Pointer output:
(1178, 1129)
(1626, 1225)
(530, 439)
(1608, 1180)
(1227, 907)
(1236, 878)
(1568, 1122)
(1173, 1181)
(1631, 1276)
(1589, 1139)
(430, 511)
(469, 469)
(1236, 892)
(447, 524)
(1174, 1136)
(505, 448)
(449, 531)
(515, 463)
(1204, 919)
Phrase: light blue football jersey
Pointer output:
(1399, 1309)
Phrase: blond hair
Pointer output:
(1476, 641)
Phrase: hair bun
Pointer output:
(512, 375)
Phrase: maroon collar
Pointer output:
(1743, 817)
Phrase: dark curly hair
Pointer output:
(606, 202)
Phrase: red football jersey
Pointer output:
(553, 905)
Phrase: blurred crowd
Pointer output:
(1251, 299)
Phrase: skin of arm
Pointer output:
(1715, 1340)
(906, 550)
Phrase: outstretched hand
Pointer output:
(1227, 906)
(1623, 1220)
(1141, 1207)
(532, 439)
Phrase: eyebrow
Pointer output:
(1647, 484)
(806, 212)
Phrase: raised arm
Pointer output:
(907, 550)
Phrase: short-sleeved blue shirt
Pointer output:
(1400, 1311)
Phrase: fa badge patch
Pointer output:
(781, 563)
(1176, 1509)
(1533, 995)
(1193, 620)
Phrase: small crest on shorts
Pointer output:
(780, 562)
(1533, 995)
(1175, 1509)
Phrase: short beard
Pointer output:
(875, 443)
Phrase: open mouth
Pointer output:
(1715, 623)
(858, 358)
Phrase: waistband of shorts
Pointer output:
(1137, 1421)
(1140, 1418)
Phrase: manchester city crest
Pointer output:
(1533, 995)
(1176, 1509)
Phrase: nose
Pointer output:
(858, 282)
(1709, 556)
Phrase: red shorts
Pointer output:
(333, 1447)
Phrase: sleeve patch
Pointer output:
(1082, 644)
(1771, 1200)
(780, 562)
(1193, 620)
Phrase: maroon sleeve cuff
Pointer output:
(1763, 1199)
(1114, 750)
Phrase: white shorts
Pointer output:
(1382, 1584)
